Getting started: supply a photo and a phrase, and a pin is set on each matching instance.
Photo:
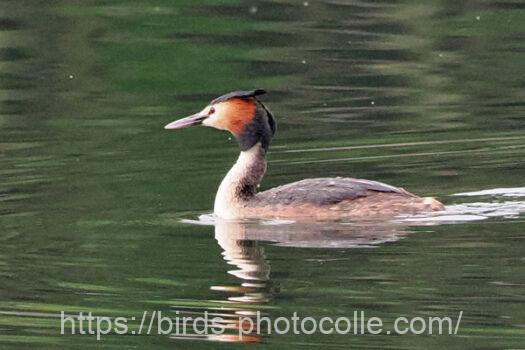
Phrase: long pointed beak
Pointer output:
(194, 119)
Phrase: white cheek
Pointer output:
(215, 119)
(207, 122)
(211, 121)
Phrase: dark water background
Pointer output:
(427, 95)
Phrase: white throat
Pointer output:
(239, 185)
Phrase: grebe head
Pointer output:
(239, 112)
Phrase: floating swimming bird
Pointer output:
(252, 124)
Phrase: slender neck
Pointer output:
(240, 184)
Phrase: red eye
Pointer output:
(212, 110)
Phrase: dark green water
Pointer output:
(425, 95)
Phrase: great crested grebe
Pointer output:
(252, 124)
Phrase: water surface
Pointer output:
(95, 197)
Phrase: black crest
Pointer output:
(239, 94)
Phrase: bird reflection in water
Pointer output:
(243, 248)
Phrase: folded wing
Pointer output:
(326, 191)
